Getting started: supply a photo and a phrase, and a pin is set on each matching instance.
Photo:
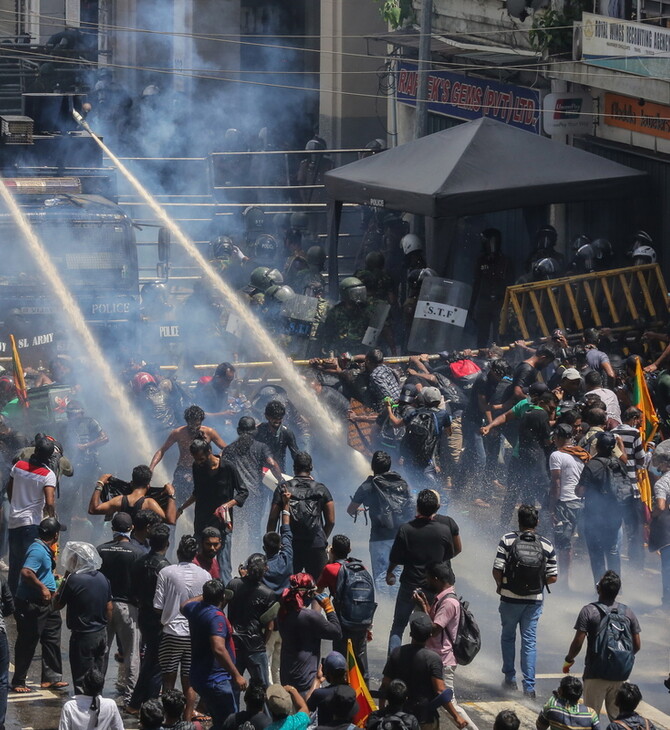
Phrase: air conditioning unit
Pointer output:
(16, 129)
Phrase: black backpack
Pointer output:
(305, 507)
(525, 565)
(396, 721)
(354, 595)
(612, 657)
(421, 435)
(395, 502)
(617, 484)
(468, 640)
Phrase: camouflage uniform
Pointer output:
(344, 329)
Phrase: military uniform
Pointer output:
(344, 329)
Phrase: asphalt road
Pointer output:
(478, 686)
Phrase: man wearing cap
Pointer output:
(31, 491)
(36, 620)
(334, 668)
(571, 388)
(287, 708)
(88, 598)
(118, 556)
(214, 675)
(603, 513)
(421, 670)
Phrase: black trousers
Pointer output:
(86, 650)
(36, 622)
(359, 643)
(148, 685)
(309, 560)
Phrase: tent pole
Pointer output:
(421, 115)
(334, 217)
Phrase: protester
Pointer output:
(312, 513)
(214, 675)
(302, 629)
(425, 539)
(525, 564)
(89, 709)
(210, 545)
(175, 585)
(563, 709)
(506, 720)
(217, 489)
(6, 609)
(627, 699)
(342, 708)
(603, 624)
(174, 704)
(252, 608)
(36, 618)
(254, 713)
(287, 708)
(275, 435)
(387, 497)
(396, 699)
(334, 670)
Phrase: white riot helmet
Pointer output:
(410, 242)
(643, 255)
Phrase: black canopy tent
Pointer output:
(477, 167)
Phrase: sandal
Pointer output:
(54, 685)
(198, 717)
(22, 689)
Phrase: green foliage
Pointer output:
(552, 29)
(396, 12)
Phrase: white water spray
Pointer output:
(303, 396)
(117, 395)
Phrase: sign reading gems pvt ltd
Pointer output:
(636, 48)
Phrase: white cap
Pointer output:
(571, 374)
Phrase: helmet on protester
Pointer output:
(546, 237)
(374, 260)
(410, 242)
(221, 248)
(141, 380)
(644, 255)
(279, 293)
(316, 257)
(545, 268)
(299, 221)
(353, 290)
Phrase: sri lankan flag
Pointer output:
(366, 704)
(642, 400)
(19, 381)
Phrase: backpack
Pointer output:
(468, 640)
(396, 721)
(611, 657)
(617, 484)
(395, 503)
(354, 595)
(421, 435)
(525, 565)
(305, 507)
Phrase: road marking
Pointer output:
(36, 694)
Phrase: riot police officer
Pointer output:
(642, 251)
(492, 275)
(347, 322)
(307, 280)
(546, 239)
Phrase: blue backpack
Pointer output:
(354, 595)
(612, 656)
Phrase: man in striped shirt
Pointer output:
(524, 565)
(564, 711)
(632, 508)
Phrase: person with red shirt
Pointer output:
(210, 544)
(338, 554)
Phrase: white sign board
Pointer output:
(567, 113)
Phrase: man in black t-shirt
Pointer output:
(312, 513)
(254, 714)
(427, 538)
(534, 442)
(118, 557)
(217, 488)
(251, 609)
(276, 435)
(527, 372)
(421, 670)
(88, 598)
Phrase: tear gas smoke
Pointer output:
(300, 392)
(118, 398)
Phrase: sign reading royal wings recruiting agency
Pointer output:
(468, 97)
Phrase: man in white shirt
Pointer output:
(175, 585)
(565, 465)
(31, 491)
(593, 382)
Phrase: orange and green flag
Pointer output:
(642, 400)
(19, 380)
(366, 704)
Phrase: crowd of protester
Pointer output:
(549, 444)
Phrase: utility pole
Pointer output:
(421, 118)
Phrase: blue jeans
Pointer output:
(525, 616)
(221, 701)
(404, 605)
(20, 539)
(254, 662)
(473, 459)
(223, 558)
(4, 677)
(603, 539)
(379, 563)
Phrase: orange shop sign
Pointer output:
(627, 113)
